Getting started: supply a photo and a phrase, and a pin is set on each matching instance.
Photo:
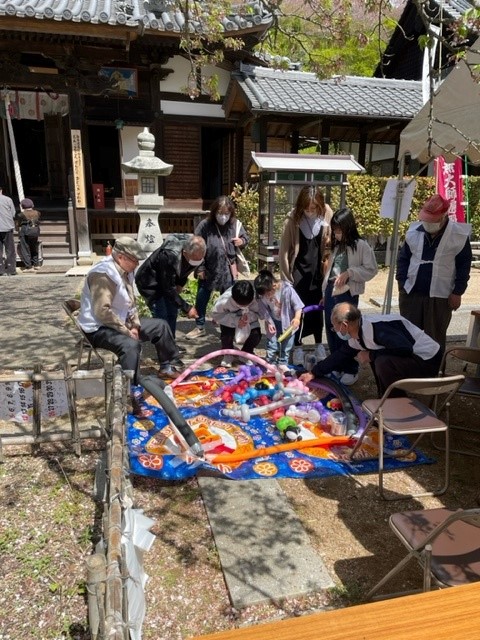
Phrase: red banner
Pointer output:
(449, 184)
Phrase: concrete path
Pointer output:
(264, 550)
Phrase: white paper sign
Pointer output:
(387, 208)
(16, 400)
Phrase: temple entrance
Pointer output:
(105, 163)
(42, 149)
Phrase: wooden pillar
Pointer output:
(362, 148)
(295, 142)
(79, 177)
(259, 134)
(156, 128)
(239, 173)
(325, 139)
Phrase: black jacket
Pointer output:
(162, 272)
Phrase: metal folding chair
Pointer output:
(407, 416)
(446, 543)
(469, 357)
(71, 308)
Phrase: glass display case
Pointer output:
(280, 177)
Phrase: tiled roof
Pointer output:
(455, 8)
(157, 15)
(275, 91)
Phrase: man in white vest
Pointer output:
(109, 317)
(392, 345)
(433, 268)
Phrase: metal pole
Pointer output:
(387, 303)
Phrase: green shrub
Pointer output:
(189, 294)
(364, 196)
(246, 200)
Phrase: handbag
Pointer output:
(232, 265)
(242, 264)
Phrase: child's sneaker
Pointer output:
(226, 361)
(284, 368)
(198, 332)
(349, 378)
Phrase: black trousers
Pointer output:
(8, 264)
(388, 369)
(227, 335)
(128, 349)
(433, 315)
(29, 250)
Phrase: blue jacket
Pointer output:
(381, 335)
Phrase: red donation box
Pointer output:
(98, 196)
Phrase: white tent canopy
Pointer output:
(446, 126)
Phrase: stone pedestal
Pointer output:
(149, 233)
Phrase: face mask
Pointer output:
(310, 214)
(432, 227)
(194, 263)
(222, 218)
(343, 336)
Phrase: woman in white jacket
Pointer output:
(351, 264)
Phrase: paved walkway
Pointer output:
(34, 326)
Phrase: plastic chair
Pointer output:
(470, 387)
(446, 543)
(71, 308)
(407, 416)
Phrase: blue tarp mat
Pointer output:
(155, 450)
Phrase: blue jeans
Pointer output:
(201, 302)
(279, 351)
(334, 342)
(166, 310)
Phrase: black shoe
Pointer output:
(178, 364)
(167, 372)
(139, 411)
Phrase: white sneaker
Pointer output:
(198, 332)
(284, 368)
(349, 378)
(226, 361)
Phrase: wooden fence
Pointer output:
(74, 384)
(115, 570)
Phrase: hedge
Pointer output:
(364, 196)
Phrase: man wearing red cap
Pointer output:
(433, 268)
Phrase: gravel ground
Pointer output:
(49, 519)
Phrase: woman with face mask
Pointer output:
(351, 264)
(433, 268)
(304, 248)
(221, 233)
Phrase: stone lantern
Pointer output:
(148, 201)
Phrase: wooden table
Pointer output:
(447, 614)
